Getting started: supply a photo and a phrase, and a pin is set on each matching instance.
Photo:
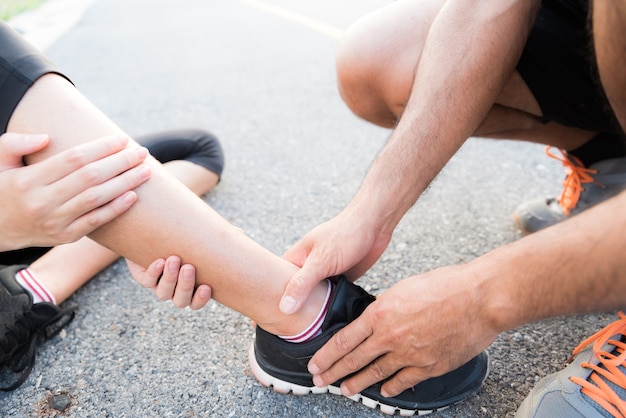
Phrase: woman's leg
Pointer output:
(192, 156)
(169, 219)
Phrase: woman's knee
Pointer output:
(208, 152)
(198, 146)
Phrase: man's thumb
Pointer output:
(297, 291)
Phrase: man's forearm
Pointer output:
(576, 266)
(470, 52)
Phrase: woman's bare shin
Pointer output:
(168, 218)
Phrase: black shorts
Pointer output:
(21, 65)
(559, 67)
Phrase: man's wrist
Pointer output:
(502, 309)
(374, 209)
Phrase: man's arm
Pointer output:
(470, 51)
(432, 323)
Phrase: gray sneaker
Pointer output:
(583, 187)
(593, 385)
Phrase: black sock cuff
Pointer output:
(603, 146)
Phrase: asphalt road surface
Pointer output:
(260, 75)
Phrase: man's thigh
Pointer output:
(609, 36)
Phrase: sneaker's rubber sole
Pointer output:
(284, 387)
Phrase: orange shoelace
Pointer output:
(576, 175)
(608, 368)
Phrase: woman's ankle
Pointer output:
(295, 324)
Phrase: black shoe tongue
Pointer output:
(347, 302)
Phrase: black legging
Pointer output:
(194, 145)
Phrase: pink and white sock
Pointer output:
(315, 328)
(29, 282)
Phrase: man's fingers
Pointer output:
(344, 353)
(361, 358)
(379, 370)
(376, 371)
(404, 379)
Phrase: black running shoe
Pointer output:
(283, 365)
(23, 325)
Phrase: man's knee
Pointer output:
(357, 73)
(376, 60)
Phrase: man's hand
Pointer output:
(67, 196)
(344, 245)
(169, 280)
(423, 327)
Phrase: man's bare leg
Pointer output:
(168, 218)
(376, 63)
(609, 34)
